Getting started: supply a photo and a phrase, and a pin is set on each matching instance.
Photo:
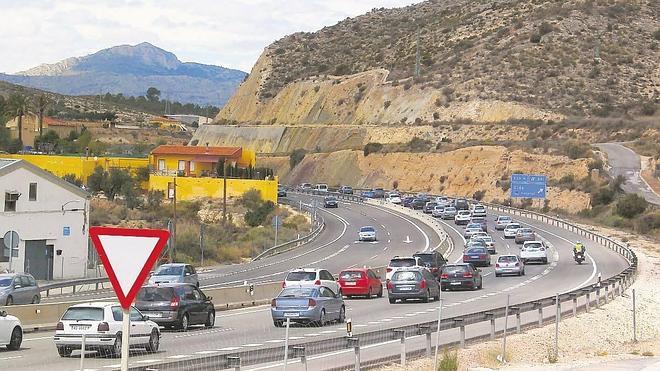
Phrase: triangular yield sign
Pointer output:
(127, 256)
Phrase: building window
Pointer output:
(33, 192)
(192, 165)
(10, 200)
(161, 165)
(182, 165)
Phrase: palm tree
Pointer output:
(41, 102)
(18, 106)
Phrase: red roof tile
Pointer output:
(197, 150)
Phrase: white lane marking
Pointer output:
(410, 314)
(252, 345)
(240, 313)
(389, 241)
(12, 357)
(41, 338)
(229, 349)
(313, 334)
(359, 325)
(373, 257)
(179, 356)
(148, 361)
(374, 322)
(328, 332)
(383, 225)
(388, 233)
(507, 246)
(488, 274)
(203, 352)
(275, 341)
(385, 248)
(113, 366)
(295, 337)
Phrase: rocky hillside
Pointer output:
(482, 60)
(131, 70)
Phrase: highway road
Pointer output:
(336, 248)
(624, 161)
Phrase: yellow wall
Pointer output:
(191, 188)
(81, 167)
(248, 158)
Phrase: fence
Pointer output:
(527, 313)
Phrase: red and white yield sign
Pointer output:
(127, 256)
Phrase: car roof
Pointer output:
(95, 304)
(173, 265)
(531, 242)
(367, 226)
(354, 270)
(507, 255)
(171, 284)
(402, 257)
(458, 265)
(306, 270)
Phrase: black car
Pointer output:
(177, 305)
(461, 204)
(457, 276)
(428, 207)
(281, 191)
(406, 201)
(418, 204)
(330, 201)
(378, 192)
(432, 260)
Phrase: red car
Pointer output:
(360, 281)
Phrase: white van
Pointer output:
(322, 187)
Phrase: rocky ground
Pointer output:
(590, 339)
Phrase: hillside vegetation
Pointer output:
(484, 60)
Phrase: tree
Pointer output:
(631, 205)
(153, 94)
(41, 103)
(18, 107)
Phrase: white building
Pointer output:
(51, 218)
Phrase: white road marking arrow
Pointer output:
(407, 240)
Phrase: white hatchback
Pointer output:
(462, 217)
(311, 277)
(399, 262)
(534, 251)
(511, 229)
(11, 331)
(101, 323)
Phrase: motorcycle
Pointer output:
(579, 257)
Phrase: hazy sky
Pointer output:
(230, 33)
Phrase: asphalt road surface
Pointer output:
(336, 248)
(624, 161)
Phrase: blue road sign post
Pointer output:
(528, 186)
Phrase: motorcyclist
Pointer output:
(579, 248)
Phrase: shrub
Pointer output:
(417, 144)
(631, 205)
(535, 38)
(296, 157)
(479, 195)
(436, 115)
(73, 179)
(372, 148)
(449, 361)
(574, 149)
(596, 164)
(316, 88)
(155, 198)
(648, 108)
(258, 216)
(603, 196)
(648, 222)
(656, 34)
(387, 103)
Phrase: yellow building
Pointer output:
(165, 123)
(194, 161)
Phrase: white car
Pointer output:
(511, 229)
(502, 222)
(534, 251)
(479, 210)
(399, 262)
(442, 201)
(394, 200)
(470, 231)
(462, 217)
(302, 277)
(437, 211)
(321, 187)
(483, 236)
(101, 323)
(11, 331)
(367, 233)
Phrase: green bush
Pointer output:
(574, 149)
(631, 205)
(259, 215)
(479, 195)
(73, 179)
(603, 196)
(417, 144)
(372, 147)
(449, 361)
(648, 222)
(296, 157)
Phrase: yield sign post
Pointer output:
(127, 256)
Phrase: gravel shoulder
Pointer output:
(590, 340)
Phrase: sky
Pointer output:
(230, 33)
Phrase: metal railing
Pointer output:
(73, 284)
(588, 295)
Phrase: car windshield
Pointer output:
(512, 226)
(426, 258)
(476, 250)
(402, 263)
(450, 209)
(430, 204)
(298, 292)
(464, 213)
(83, 314)
(301, 276)
(504, 219)
(406, 276)
(532, 245)
(486, 238)
(474, 226)
(330, 199)
(169, 270)
(525, 231)
(155, 294)
(5, 282)
(455, 268)
(367, 229)
(507, 259)
(350, 275)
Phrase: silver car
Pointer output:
(448, 213)
(18, 288)
(509, 264)
(174, 273)
(315, 304)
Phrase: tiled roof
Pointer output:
(197, 150)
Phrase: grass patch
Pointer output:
(492, 357)
(449, 361)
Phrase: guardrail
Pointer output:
(73, 283)
(584, 296)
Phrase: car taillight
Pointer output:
(273, 303)
(311, 303)
(317, 282)
(465, 258)
(434, 270)
(422, 285)
(283, 284)
(174, 302)
(390, 286)
(389, 269)
(103, 326)
(467, 275)
(60, 326)
(497, 265)
(444, 275)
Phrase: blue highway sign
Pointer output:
(528, 186)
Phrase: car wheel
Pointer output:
(497, 275)
(321, 321)
(10, 300)
(210, 320)
(369, 293)
(523, 272)
(36, 299)
(154, 342)
(64, 351)
(115, 351)
(342, 315)
(278, 323)
(197, 284)
(184, 323)
(425, 298)
(16, 339)
(392, 301)
(380, 293)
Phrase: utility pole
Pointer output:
(224, 190)
(174, 225)
(417, 56)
